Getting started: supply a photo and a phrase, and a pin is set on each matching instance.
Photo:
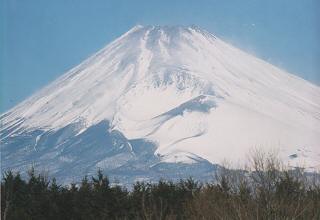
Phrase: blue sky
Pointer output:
(42, 39)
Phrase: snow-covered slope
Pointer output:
(191, 94)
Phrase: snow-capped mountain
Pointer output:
(167, 101)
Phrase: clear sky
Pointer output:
(42, 39)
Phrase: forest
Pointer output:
(265, 190)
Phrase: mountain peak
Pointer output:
(179, 87)
(169, 30)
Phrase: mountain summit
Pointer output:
(158, 100)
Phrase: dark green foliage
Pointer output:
(260, 194)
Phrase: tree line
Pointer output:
(263, 191)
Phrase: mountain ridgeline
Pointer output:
(162, 101)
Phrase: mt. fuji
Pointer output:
(163, 102)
